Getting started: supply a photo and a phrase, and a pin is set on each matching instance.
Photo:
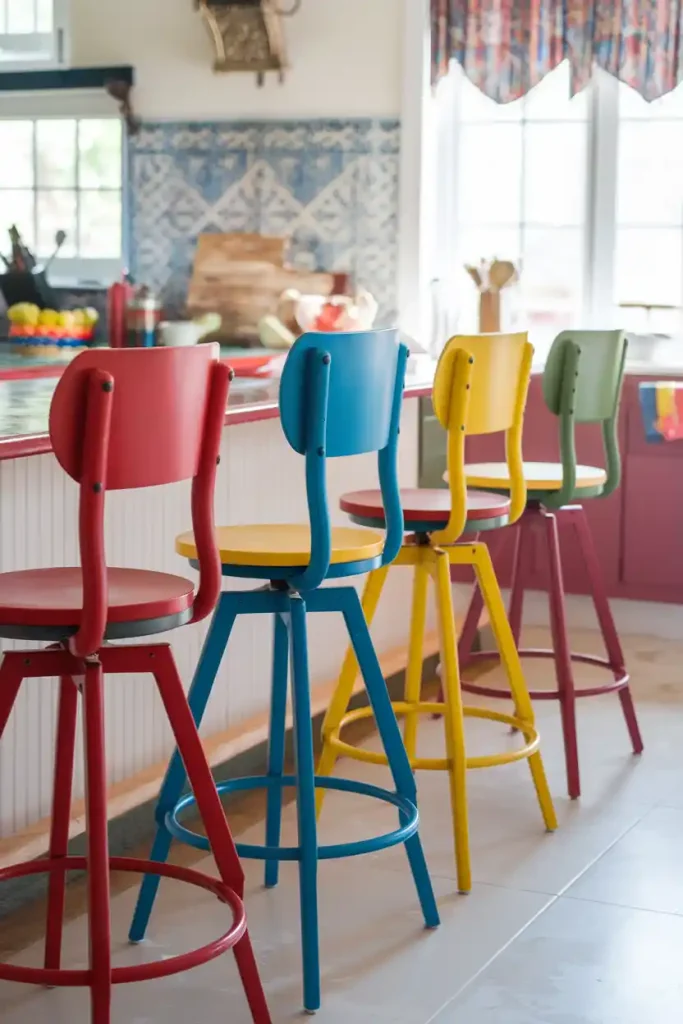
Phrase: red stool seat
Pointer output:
(48, 602)
(426, 507)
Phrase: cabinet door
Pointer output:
(653, 533)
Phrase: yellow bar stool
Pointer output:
(480, 387)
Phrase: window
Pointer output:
(648, 285)
(65, 174)
(585, 194)
(32, 34)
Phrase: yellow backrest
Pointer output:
(480, 387)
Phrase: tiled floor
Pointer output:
(581, 927)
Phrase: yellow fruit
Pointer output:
(65, 320)
(78, 317)
(91, 316)
(48, 318)
(24, 313)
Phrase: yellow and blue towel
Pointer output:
(661, 403)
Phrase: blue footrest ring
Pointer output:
(400, 835)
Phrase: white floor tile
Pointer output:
(581, 963)
(643, 869)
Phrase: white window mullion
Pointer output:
(601, 201)
(32, 46)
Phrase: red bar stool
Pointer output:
(119, 419)
(582, 383)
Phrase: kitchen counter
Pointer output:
(25, 407)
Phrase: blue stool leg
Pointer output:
(276, 743)
(387, 726)
(305, 793)
(176, 777)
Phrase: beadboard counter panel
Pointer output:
(260, 479)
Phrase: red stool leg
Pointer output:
(562, 656)
(213, 816)
(10, 683)
(61, 811)
(606, 620)
(99, 913)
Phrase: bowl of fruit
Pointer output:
(336, 312)
(34, 331)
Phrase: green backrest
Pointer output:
(582, 383)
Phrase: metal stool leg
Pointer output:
(390, 734)
(67, 717)
(562, 654)
(413, 682)
(276, 744)
(213, 816)
(454, 722)
(342, 695)
(305, 794)
(509, 655)
(606, 620)
(176, 776)
(99, 914)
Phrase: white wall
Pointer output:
(345, 57)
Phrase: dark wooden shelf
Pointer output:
(68, 78)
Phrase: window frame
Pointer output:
(599, 306)
(60, 38)
(78, 271)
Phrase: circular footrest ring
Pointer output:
(538, 652)
(65, 978)
(282, 853)
(435, 708)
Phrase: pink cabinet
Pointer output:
(638, 531)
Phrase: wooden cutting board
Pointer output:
(242, 276)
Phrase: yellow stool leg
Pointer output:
(453, 718)
(510, 660)
(413, 685)
(344, 691)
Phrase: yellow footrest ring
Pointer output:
(401, 708)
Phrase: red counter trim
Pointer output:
(24, 445)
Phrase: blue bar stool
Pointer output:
(340, 395)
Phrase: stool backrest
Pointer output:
(582, 383)
(481, 387)
(341, 394)
(131, 418)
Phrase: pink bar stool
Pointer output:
(126, 418)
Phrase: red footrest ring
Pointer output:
(536, 652)
(58, 978)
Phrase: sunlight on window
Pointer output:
(521, 195)
(65, 175)
(649, 217)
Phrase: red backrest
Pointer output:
(158, 413)
(124, 418)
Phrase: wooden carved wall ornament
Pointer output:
(248, 35)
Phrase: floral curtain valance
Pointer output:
(507, 46)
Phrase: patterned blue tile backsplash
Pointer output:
(331, 186)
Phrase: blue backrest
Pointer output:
(341, 394)
(361, 391)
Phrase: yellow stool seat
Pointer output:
(285, 545)
(539, 476)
